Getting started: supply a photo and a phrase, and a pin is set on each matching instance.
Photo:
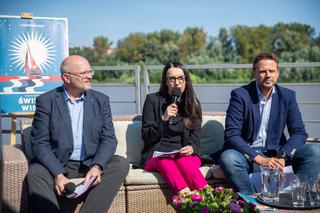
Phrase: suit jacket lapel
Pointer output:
(162, 101)
(64, 111)
(88, 113)
(273, 118)
(255, 108)
(256, 119)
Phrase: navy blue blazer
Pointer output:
(51, 134)
(243, 121)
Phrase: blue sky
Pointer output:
(116, 19)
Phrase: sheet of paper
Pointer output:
(84, 187)
(81, 188)
(164, 154)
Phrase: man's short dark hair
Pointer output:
(264, 56)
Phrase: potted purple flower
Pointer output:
(209, 200)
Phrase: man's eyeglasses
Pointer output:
(181, 79)
(82, 74)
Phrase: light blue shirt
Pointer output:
(76, 115)
(265, 107)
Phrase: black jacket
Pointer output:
(153, 129)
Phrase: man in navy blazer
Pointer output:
(254, 134)
(73, 136)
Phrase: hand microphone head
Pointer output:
(69, 187)
(176, 92)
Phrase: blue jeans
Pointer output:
(237, 168)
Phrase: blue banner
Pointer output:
(31, 51)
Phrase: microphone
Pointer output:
(176, 93)
(69, 187)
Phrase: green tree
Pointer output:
(129, 48)
(192, 41)
(101, 45)
(213, 49)
(292, 42)
(86, 52)
(169, 49)
(160, 47)
(250, 40)
(227, 50)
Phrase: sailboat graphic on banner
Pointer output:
(30, 66)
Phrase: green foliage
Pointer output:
(302, 75)
(155, 77)
(192, 41)
(101, 45)
(228, 53)
(292, 42)
(250, 40)
(208, 76)
(160, 47)
(129, 48)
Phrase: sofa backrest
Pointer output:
(130, 144)
(128, 132)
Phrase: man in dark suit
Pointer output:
(254, 134)
(73, 136)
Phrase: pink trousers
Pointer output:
(178, 172)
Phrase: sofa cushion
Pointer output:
(212, 134)
(141, 177)
(130, 143)
(128, 134)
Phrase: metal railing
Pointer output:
(151, 68)
(137, 84)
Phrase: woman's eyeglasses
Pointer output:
(181, 79)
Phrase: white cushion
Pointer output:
(142, 177)
(130, 144)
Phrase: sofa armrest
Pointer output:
(14, 168)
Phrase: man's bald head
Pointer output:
(76, 75)
(70, 63)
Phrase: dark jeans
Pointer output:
(99, 198)
(237, 168)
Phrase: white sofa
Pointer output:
(141, 192)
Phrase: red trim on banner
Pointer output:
(27, 78)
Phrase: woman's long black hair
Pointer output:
(192, 115)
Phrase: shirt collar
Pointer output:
(68, 99)
(261, 96)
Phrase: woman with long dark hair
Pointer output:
(171, 121)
